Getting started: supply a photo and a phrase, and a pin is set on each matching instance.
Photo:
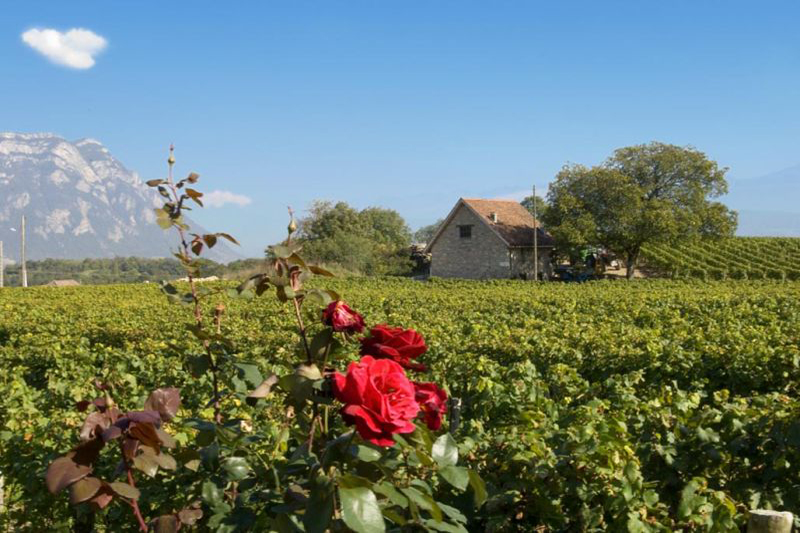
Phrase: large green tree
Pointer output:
(541, 205)
(649, 193)
(371, 241)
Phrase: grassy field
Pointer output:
(656, 405)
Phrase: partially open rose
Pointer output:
(340, 317)
(398, 344)
(378, 399)
(433, 403)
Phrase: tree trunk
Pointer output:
(630, 264)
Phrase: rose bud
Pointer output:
(340, 317)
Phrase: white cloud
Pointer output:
(220, 198)
(75, 48)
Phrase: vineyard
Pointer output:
(733, 258)
(660, 405)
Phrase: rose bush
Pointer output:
(256, 453)
(395, 343)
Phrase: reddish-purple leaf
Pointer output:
(125, 490)
(101, 404)
(228, 236)
(210, 240)
(87, 452)
(166, 401)
(190, 516)
(84, 489)
(145, 417)
(146, 461)
(146, 434)
(63, 472)
(94, 426)
(165, 524)
(103, 497)
(129, 447)
(114, 432)
(319, 271)
(166, 439)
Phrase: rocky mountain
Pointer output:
(768, 205)
(79, 202)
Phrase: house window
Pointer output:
(465, 232)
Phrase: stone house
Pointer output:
(483, 239)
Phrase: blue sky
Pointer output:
(406, 105)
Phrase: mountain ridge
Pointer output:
(768, 205)
(79, 202)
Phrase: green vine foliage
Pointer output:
(278, 452)
(660, 405)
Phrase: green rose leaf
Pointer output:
(360, 510)
(250, 373)
(457, 476)
(365, 453)
(236, 467)
(212, 494)
(424, 501)
(445, 451)
(319, 508)
(478, 488)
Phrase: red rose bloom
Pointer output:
(340, 317)
(433, 402)
(398, 344)
(378, 399)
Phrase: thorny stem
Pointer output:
(323, 425)
(135, 504)
(313, 429)
(198, 311)
(325, 356)
(132, 502)
(309, 359)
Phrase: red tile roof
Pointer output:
(515, 224)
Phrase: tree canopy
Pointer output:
(650, 193)
(371, 241)
(426, 233)
(541, 206)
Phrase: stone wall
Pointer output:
(482, 256)
(522, 263)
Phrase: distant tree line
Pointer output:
(371, 241)
(105, 270)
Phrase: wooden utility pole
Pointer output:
(2, 266)
(24, 265)
(535, 238)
